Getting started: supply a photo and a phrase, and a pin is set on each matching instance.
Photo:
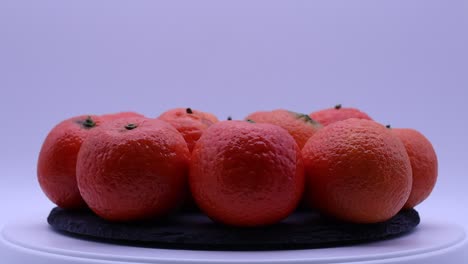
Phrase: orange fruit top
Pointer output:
(133, 169)
(300, 126)
(246, 174)
(189, 122)
(423, 163)
(113, 116)
(337, 113)
(357, 171)
(56, 167)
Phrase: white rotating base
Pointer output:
(33, 241)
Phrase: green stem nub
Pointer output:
(338, 106)
(388, 126)
(189, 110)
(250, 121)
(307, 118)
(89, 123)
(130, 126)
(229, 118)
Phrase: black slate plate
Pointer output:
(302, 230)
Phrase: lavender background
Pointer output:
(403, 62)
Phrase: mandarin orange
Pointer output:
(337, 113)
(112, 116)
(246, 174)
(357, 171)
(189, 122)
(56, 167)
(300, 126)
(133, 169)
(423, 163)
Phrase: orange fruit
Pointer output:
(204, 115)
(246, 174)
(56, 167)
(190, 123)
(423, 163)
(300, 126)
(338, 113)
(107, 117)
(133, 169)
(358, 171)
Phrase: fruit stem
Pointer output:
(305, 117)
(338, 106)
(89, 123)
(388, 126)
(250, 121)
(189, 110)
(130, 126)
(229, 118)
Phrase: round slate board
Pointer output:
(302, 230)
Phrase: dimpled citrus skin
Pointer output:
(208, 116)
(56, 167)
(136, 174)
(423, 163)
(338, 113)
(190, 125)
(300, 126)
(245, 174)
(358, 171)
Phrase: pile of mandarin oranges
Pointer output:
(251, 172)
